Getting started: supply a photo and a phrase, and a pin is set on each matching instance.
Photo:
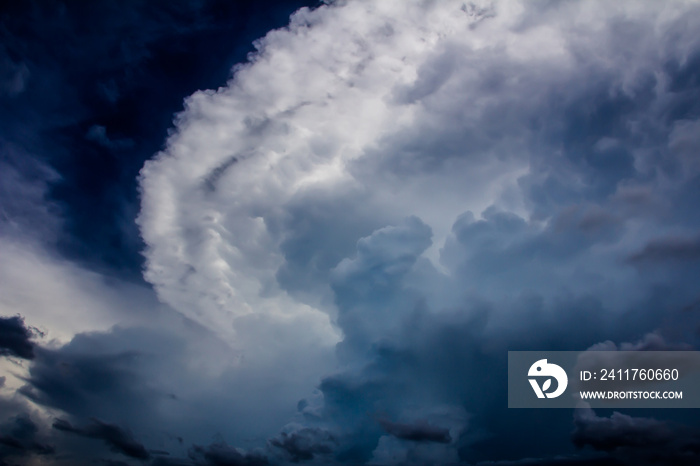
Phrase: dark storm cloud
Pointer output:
(304, 444)
(218, 453)
(165, 461)
(19, 437)
(452, 355)
(125, 385)
(417, 432)
(85, 384)
(619, 430)
(372, 280)
(457, 360)
(668, 250)
(117, 378)
(416, 357)
(15, 338)
(117, 438)
(312, 246)
(543, 281)
(557, 461)
(91, 378)
(637, 440)
(504, 244)
(221, 454)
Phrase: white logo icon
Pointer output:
(543, 369)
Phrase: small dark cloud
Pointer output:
(14, 74)
(221, 454)
(171, 462)
(668, 250)
(80, 383)
(119, 440)
(15, 338)
(98, 134)
(478, 13)
(557, 461)
(618, 431)
(420, 431)
(305, 444)
(19, 438)
(637, 440)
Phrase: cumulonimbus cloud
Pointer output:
(361, 114)
(406, 171)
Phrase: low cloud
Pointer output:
(20, 438)
(417, 432)
(118, 439)
(304, 444)
(220, 454)
(637, 440)
(16, 338)
(671, 249)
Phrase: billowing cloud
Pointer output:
(425, 110)
(432, 184)
(356, 229)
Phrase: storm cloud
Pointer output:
(637, 440)
(15, 338)
(419, 432)
(443, 182)
(20, 438)
(343, 242)
(118, 439)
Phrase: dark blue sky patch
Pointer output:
(125, 68)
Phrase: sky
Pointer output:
(284, 232)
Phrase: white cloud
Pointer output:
(293, 185)
(407, 108)
(322, 111)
